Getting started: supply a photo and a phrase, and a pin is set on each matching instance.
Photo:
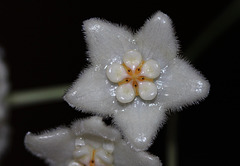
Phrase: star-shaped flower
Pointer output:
(88, 142)
(113, 86)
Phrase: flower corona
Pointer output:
(89, 154)
(134, 77)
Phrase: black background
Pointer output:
(44, 46)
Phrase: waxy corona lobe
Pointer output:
(134, 77)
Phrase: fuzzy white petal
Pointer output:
(92, 92)
(151, 69)
(95, 126)
(55, 146)
(132, 59)
(156, 39)
(132, 157)
(181, 85)
(107, 42)
(139, 124)
(116, 72)
(125, 93)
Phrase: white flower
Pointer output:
(88, 142)
(4, 129)
(111, 47)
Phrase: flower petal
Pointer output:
(107, 42)
(92, 92)
(139, 123)
(156, 39)
(147, 90)
(125, 93)
(55, 146)
(151, 69)
(181, 85)
(95, 126)
(116, 73)
(124, 155)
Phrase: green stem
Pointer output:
(171, 141)
(34, 96)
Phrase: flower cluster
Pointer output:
(133, 78)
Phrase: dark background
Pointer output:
(45, 46)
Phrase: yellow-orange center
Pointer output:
(134, 77)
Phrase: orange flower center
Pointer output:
(92, 161)
(134, 77)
